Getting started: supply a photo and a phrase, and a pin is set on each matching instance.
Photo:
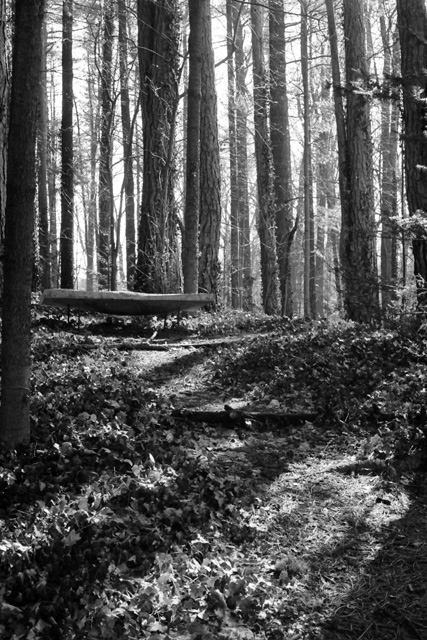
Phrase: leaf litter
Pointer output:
(119, 521)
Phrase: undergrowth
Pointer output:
(119, 521)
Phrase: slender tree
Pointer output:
(389, 155)
(67, 151)
(309, 231)
(94, 120)
(281, 152)
(43, 219)
(127, 129)
(197, 13)
(266, 222)
(233, 24)
(106, 241)
(210, 176)
(18, 257)
(244, 260)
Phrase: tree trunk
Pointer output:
(281, 153)
(94, 120)
(67, 151)
(358, 239)
(266, 222)
(44, 243)
(309, 233)
(210, 171)
(52, 173)
(127, 129)
(197, 13)
(106, 248)
(4, 110)
(389, 153)
(244, 277)
(412, 24)
(232, 26)
(322, 206)
(357, 244)
(159, 96)
(18, 258)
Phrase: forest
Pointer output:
(255, 469)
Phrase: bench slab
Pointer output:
(127, 303)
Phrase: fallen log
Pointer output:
(141, 346)
(236, 417)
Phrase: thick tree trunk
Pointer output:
(210, 172)
(412, 24)
(18, 258)
(156, 272)
(266, 222)
(358, 239)
(67, 151)
(281, 152)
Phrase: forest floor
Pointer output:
(126, 517)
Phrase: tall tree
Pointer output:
(67, 150)
(197, 13)
(210, 176)
(94, 120)
(158, 38)
(281, 151)
(106, 237)
(389, 155)
(44, 241)
(233, 24)
(18, 257)
(266, 222)
(127, 129)
(412, 24)
(309, 232)
(244, 262)
(4, 109)
(358, 242)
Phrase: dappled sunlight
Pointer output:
(138, 520)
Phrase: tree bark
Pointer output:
(210, 171)
(106, 246)
(44, 243)
(309, 232)
(232, 26)
(358, 236)
(127, 130)
(412, 24)
(281, 153)
(67, 151)
(156, 262)
(266, 222)
(18, 258)
(389, 154)
(4, 110)
(197, 12)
